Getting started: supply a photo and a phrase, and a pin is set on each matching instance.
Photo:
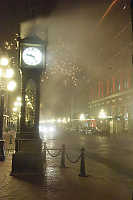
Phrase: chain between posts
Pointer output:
(45, 149)
(75, 161)
(64, 155)
(53, 155)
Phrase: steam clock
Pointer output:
(28, 156)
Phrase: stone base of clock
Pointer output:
(29, 159)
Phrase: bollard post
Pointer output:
(13, 168)
(82, 164)
(63, 156)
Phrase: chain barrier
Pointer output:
(45, 148)
(64, 155)
(75, 161)
(53, 155)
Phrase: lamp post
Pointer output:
(5, 74)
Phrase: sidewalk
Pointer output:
(59, 184)
(66, 184)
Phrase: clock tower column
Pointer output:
(28, 157)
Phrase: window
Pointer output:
(117, 85)
(111, 86)
(125, 84)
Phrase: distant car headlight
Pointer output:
(51, 129)
(45, 129)
(40, 128)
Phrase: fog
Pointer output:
(82, 48)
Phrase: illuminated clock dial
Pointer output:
(32, 56)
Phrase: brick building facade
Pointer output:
(115, 97)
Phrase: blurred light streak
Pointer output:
(108, 10)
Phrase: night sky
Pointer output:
(87, 41)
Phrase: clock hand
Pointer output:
(31, 55)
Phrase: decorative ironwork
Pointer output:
(30, 105)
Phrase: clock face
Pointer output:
(32, 56)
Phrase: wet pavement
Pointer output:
(109, 176)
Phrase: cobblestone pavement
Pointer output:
(61, 183)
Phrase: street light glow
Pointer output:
(19, 99)
(4, 61)
(82, 117)
(11, 85)
(17, 104)
(68, 119)
(102, 114)
(59, 120)
(14, 109)
(9, 73)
